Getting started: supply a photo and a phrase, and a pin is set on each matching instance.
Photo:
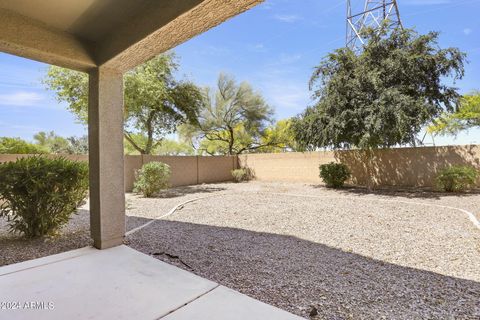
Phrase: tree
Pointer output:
(128, 147)
(233, 119)
(71, 87)
(78, 145)
(280, 137)
(19, 146)
(155, 102)
(382, 96)
(52, 142)
(466, 116)
(167, 147)
(170, 147)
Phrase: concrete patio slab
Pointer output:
(118, 283)
(45, 260)
(223, 303)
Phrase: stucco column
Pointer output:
(105, 139)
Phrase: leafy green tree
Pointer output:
(280, 137)
(19, 146)
(155, 102)
(166, 147)
(71, 87)
(382, 96)
(52, 142)
(232, 121)
(128, 147)
(465, 117)
(78, 145)
(170, 147)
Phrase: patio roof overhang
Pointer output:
(117, 34)
(106, 38)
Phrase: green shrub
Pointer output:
(19, 146)
(38, 194)
(242, 174)
(152, 178)
(457, 178)
(334, 174)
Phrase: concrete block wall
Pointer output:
(186, 170)
(405, 167)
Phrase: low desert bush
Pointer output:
(334, 174)
(152, 178)
(38, 195)
(457, 178)
(242, 174)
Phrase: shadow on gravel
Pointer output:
(133, 222)
(406, 166)
(410, 193)
(181, 191)
(295, 274)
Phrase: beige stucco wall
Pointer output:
(213, 169)
(393, 167)
(185, 170)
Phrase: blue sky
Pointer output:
(274, 46)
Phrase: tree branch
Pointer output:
(132, 142)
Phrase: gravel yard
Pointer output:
(348, 254)
(76, 234)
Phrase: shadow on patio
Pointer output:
(295, 274)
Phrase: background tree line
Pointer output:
(229, 119)
(380, 97)
(44, 143)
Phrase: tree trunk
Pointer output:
(149, 144)
(134, 145)
(231, 142)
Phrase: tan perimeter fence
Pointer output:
(404, 167)
(185, 170)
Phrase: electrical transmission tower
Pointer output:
(372, 15)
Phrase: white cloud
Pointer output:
(258, 47)
(425, 2)
(287, 18)
(21, 98)
(467, 31)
